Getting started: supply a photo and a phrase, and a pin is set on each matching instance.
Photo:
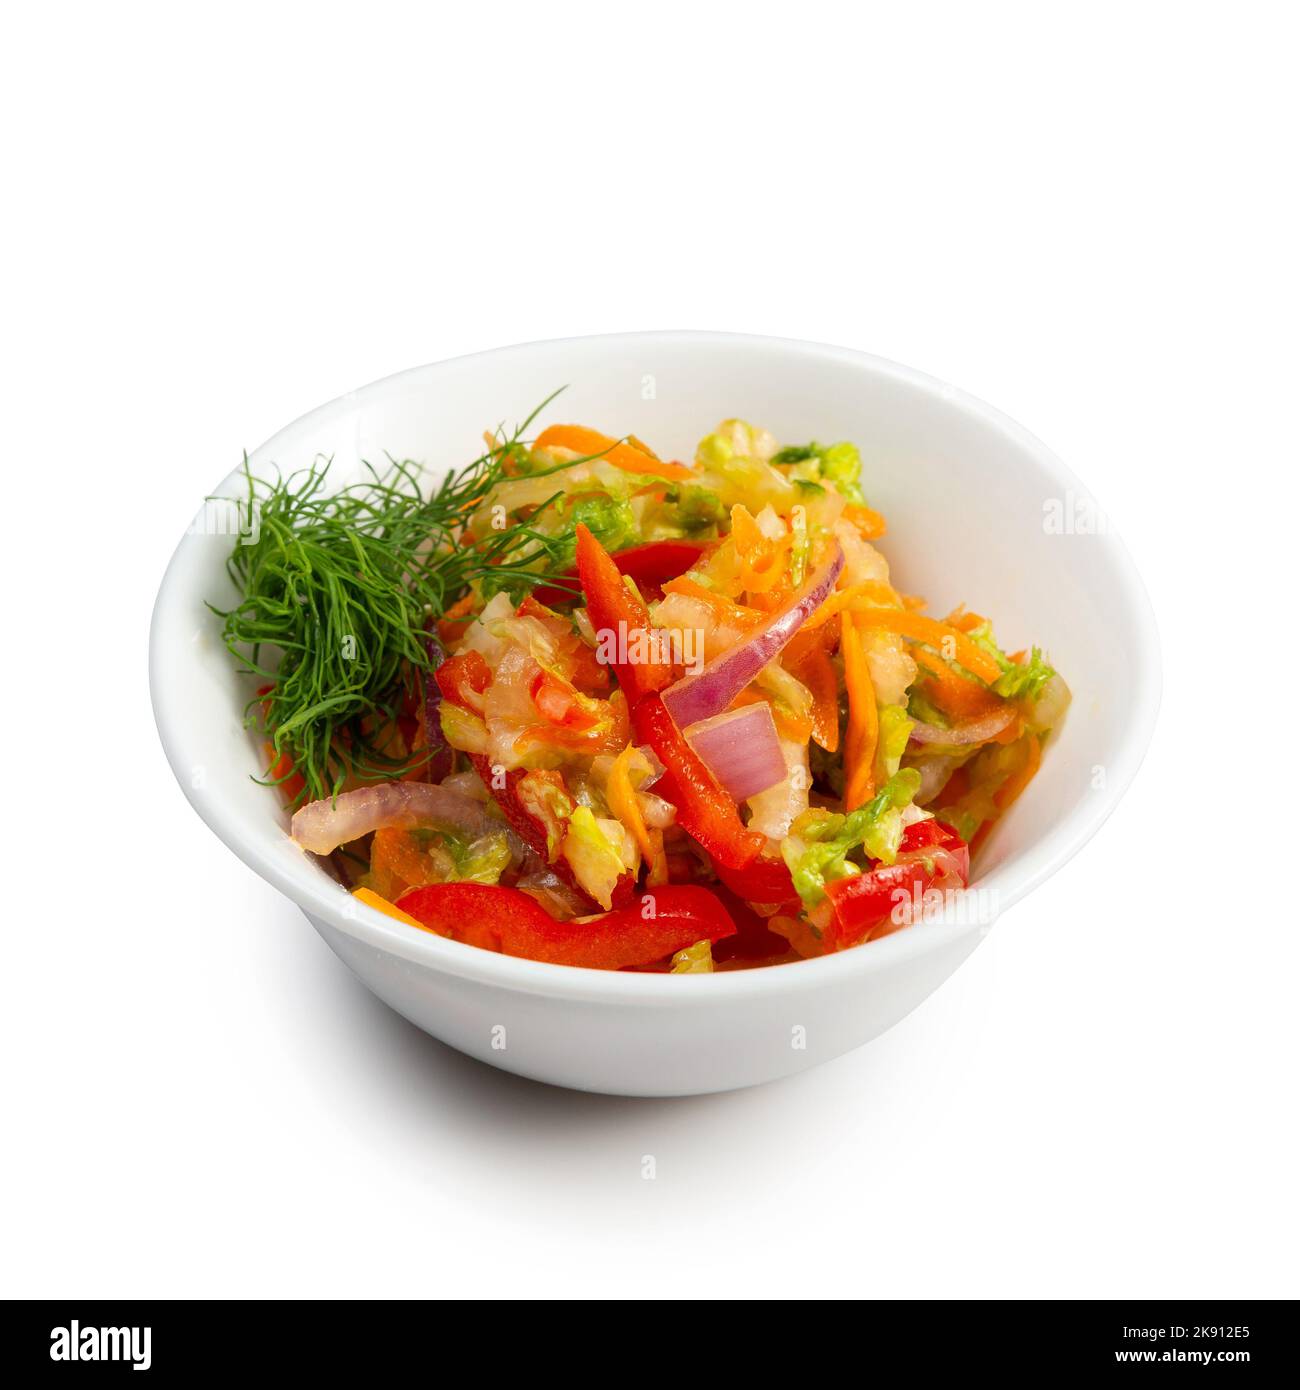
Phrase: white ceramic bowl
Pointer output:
(978, 510)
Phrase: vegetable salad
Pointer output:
(593, 707)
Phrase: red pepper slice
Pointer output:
(754, 939)
(931, 855)
(613, 608)
(704, 810)
(556, 701)
(464, 675)
(762, 880)
(281, 772)
(586, 673)
(508, 920)
(652, 565)
(656, 562)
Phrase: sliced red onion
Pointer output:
(439, 749)
(741, 749)
(979, 730)
(699, 697)
(321, 826)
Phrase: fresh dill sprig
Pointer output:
(337, 591)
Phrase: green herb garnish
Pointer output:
(338, 591)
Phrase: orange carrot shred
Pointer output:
(870, 524)
(947, 639)
(964, 621)
(372, 899)
(955, 695)
(818, 675)
(870, 589)
(628, 457)
(450, 626)
(863, 729)
(1021, 778)
(622, 801)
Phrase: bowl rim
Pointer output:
(321, 898)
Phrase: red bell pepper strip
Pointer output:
(704, 810)
(461, 676)
(281, 772)
(651, 565)
(762, 880)
(656, 562)
(931, 855)
(508, 920)
(753, 940)
(613, 608)
(557, 702)
(586, 673)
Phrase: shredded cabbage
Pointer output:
(694, 960)
(819, 844)
(477, 861)
(838, 464)
(895, 726)
(1016, 682)
(600, 852)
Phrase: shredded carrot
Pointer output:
(745, 534)
(870, 524)
(658, 871)
(1021, 778)
(947, 639)
(955, 695)
(818, 675)
(451, 627)
(807, 641)
(808, 658)
(762, 557)
(773, 599)
(791, 726)
(622, 801)
(1009, 791)
(964, 621)
(863, 729)
(282, 767)
(1012, 731)
(388, 909)
(397, 852)
(628, 457)
(866, 593)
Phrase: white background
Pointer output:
(1085, 214)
